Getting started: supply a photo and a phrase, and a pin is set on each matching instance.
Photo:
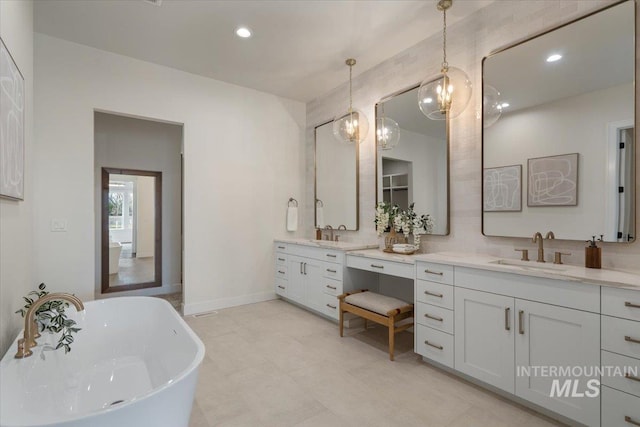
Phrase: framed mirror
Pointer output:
(559, 149)
(131, 229)
(336, 180)
(416, 170)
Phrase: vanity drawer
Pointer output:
(435, 272)
(434, 317)
(392, 268)
(332, 287)
(330, 306)
(434, 293)
(619, 409)
(331, 255)
(621, 336)
(332, 271)
(282, 272)
(628, 377)
(281, 259)
(281, 287)
(621, 303)
(434, 345)
(281, 247)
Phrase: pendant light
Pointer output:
(387, 131)
(491, 105)
(353, 125)
(448, 94)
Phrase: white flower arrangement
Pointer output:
(407, 221)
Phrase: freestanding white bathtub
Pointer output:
(134, 363)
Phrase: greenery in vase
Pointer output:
(405, 221)
(385, 215)
(51, 317)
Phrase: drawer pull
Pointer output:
(331, 306)
(331, 271)
(439, 347)
(281, 259)
(433, 294)
(628, 419)
(331, 255)
(331, 287)
(507, 318)
(280, 271)
(631, 377)
(281, 287)
(521, 322)
(633, 340)
(437, 273)
(281, 247)
(377, 266)
(630, 304)
(439, 319)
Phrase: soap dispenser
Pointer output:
(593, 254)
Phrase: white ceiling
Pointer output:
(405, 111)
(297, 51)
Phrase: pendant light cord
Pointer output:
(445, 65)
(350, 92)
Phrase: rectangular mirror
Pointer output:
(559, 131)
(416, 170)
(336, 180)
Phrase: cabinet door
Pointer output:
(484, 334)
(296, 279)
(554, 337)
(313, 271)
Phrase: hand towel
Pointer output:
(319, 217)
(292, 218)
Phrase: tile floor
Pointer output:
(274, 364)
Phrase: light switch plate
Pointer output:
(58, 225)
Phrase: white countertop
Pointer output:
(328, 244)
(603, 277)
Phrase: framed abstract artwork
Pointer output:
(12, 110)
(553, 181)
(502, 189)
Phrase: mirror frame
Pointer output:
(635, 112)
(448, 138)
(104, 219)
(356, 147)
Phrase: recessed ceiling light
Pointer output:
(553, 58)
(243, 32)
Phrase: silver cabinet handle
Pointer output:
(331, 287)
(305, 268)
(631, 377)
(507, 319)
(521, 322)
(281, 247)
(439, 319)
(437, 273)
(301, 272)
(632, 305)
(281, 287)
(280, 271)
(331, 271)
(439, 347)
(331, 306)
(331, 255)
(633, 340)
(377, 266)
(433, 294)
(628, 419)
(281, 259)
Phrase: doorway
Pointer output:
(131, 229)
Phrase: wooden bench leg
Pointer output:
(392, 336)
(341, 318)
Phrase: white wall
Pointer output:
(16, 260)
(243, 159)
(577, 124)
(469, 40)
(128, 143)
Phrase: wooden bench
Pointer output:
(386, 311)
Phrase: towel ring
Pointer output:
(292, 200)
(320, 203)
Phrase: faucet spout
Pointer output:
(537, 238)
(30, 326)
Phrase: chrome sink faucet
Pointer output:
(30, 326)
(537, 238)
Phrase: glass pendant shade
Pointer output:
(450, 92)
(491, 105)
(351, 127)
(387, 133)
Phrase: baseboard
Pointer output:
(217, 304)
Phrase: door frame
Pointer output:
(104, 223)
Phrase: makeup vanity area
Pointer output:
(504, 323)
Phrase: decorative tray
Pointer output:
(391, 251)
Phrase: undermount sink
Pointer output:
(530, 265)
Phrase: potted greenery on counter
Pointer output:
(391, 217)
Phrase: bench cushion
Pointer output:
(377, 303)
